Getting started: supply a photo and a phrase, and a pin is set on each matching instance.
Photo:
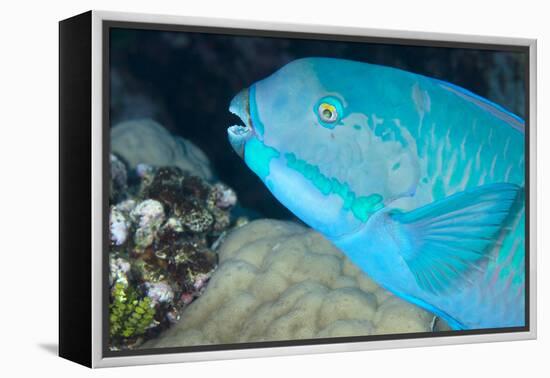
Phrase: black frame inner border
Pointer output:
(107, 25)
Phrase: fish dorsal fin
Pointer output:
(449, 238)
(488, 106)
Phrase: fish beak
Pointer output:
(238, 134)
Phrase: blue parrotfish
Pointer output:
(419, 182)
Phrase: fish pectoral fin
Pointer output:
(449, 238)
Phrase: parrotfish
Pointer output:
(419, 182)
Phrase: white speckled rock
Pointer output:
(118, 226)
(148, 216)
(146, 141)
(279, 281)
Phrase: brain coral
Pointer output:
(280, 281)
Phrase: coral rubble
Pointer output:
(164, 228)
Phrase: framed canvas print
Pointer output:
(235, 189)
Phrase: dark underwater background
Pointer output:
(185, 81)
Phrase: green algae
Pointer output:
(129, 316)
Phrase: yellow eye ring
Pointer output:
(327, 112)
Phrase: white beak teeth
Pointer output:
(238, 136)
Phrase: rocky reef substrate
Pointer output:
(165, 224)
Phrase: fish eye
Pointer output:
(329, 111)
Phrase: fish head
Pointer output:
(307, 133)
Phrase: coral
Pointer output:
(118, 226)
(281, 281)
(126, 206)
(223, 196)
(118, 271)
(119, 179)
(163, 234)
(159, 292)
(194, 203)
(144, 141)
(148, 216)
(129, 315)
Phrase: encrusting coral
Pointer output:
(119, 179)
(281, 281)
(164, 229)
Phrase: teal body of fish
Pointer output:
(419, 182)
